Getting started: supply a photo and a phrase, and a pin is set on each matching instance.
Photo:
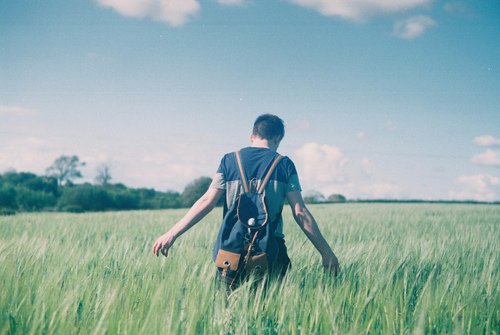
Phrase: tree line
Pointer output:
(57, 191)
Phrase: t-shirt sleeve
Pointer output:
(219, 180)
(293, 183)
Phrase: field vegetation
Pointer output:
(406, 269)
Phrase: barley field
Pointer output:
(406, 269)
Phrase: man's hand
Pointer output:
(201, 207)
(163, 243)
(331, 264)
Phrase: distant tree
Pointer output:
(103, 174)
(314, 197)
(146, 197)
(336, 198)
(8, 197)
(27, 192)
(32, 200)
(169, 199)
(65, 169)
(85, 197)
(31, 181)
(194, 190)
(124, 199)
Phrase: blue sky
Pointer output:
(381, 98)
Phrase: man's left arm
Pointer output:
(198, 211)
(308, 224)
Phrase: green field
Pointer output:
(406, 269)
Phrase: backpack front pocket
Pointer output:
(227, 260)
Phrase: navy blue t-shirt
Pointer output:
(256, 163)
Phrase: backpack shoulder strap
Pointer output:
(242, 172)
(268, 175)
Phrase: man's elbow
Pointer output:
(300, 210)
(303, 216)
(299, 217)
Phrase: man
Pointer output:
(268, 131)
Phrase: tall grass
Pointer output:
(406, 269)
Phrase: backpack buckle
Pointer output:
(252, 185)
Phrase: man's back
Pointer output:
(256, 162)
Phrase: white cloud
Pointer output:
(323, 168)
(413, 27)
(173, 12)
(231, 2)
(489, 157)
(18, 110)
(360, 9)
(320, 166)
(487, 141)
(477, 187)
(478, 182)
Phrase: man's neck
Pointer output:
(258, 142)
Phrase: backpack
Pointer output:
(246, 244)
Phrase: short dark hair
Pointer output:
(269, 127)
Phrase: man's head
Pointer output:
(269, 127)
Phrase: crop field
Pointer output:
(406, 269)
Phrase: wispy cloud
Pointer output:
(478, 187)
(360, 9)
(489, 157)
(173, 12)
(18, 110)
(487, 141)
(413, 27)
(232, 2)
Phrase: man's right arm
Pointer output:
(308, 224)
(201, 207)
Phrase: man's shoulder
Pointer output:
(286, 160)
(288, 165)
(229, 158)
